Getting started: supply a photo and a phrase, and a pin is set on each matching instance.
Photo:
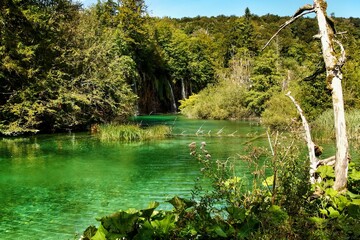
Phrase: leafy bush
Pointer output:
(280, 113)
(223, 101)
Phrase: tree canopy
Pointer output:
(63, 67)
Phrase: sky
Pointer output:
(193, 8)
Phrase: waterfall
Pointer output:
(173, 105)
(137, 101)
(183, 93)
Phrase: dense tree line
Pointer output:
(63, 67)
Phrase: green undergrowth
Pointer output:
(130, 133)
(222, 101)
(281, 204)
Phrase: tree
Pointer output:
(34, 36)
(61, 68)
(333, 64)
(264, 82)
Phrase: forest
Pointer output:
(66, 68)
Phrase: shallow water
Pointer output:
(54, 186)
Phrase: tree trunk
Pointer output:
(334, 76)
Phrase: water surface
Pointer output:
(54, 186)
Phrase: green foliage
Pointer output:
(337, 212)
(265, 82)
(138, 224)
(314, 96)
(280, 113)
(224, 101)
(71, 78)
(65, 68)
(276, 216)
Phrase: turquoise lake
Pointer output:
(54, 186)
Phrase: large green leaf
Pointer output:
(341, 202)
(181, 204)
(354, 175)
(333, 213)
(323, 212)
(331, 192)
(355, 202)
(89, 232)
(120, 222)
(326, 171)
(165, 225)
(353, 195)
(146, 213)
(100, 234)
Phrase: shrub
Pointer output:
(222, 101)
(280, 113)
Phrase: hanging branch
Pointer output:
(299, 13)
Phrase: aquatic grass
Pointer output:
(156, 132)
(323, 126)
(131, 133)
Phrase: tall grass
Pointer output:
(131, 133)
(323, 126)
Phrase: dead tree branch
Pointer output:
(330, 161)
(299, 13)
(310, 143)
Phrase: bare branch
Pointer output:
(342, 58)
(271, 148)
(299, 13)
(307, 7)
(310, 143)
(327, 161)
(341, 33)
(317, 36)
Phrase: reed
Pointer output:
(156, 132)
(131, 133)
(323, 126)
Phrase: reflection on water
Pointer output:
(53, 186)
